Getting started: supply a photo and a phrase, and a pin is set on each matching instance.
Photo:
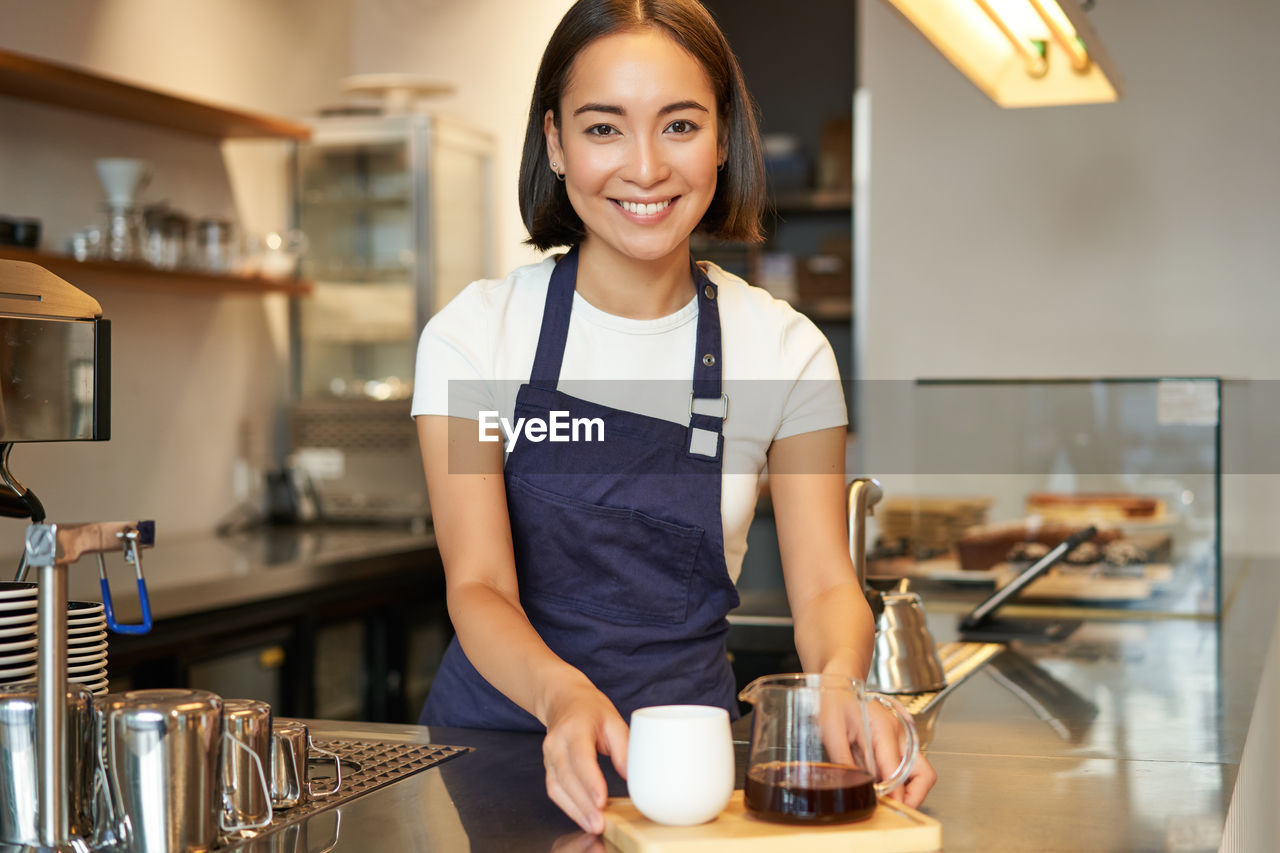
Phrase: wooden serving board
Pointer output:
(893, 828)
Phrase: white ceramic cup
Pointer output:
(680, 763)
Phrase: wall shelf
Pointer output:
(83, 274)
(59, 85)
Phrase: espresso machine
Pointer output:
(55, 385)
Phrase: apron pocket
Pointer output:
(608, 561)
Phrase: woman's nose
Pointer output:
(647, 164)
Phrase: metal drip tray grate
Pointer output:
(366, 766)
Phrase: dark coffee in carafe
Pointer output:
(810, 792)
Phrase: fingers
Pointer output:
(837, 728)
(566, 803)
(885, 744)
(614, 737)
(919, 783)
(574, 780)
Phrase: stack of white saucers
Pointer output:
(18, 606)
(19, 638)
(87, 645)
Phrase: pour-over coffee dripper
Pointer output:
(122, 178)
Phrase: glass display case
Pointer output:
(991, 474)
(397, 214)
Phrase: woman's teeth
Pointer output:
(644, 209)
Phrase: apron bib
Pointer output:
(619, 547)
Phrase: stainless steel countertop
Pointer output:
(206, 572)
(1124, 737)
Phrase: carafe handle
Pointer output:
(262, 780)
(913, 744)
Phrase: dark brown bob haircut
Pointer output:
(735, 210)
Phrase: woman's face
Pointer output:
(638, 144)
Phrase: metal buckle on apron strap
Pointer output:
(706, 442)
(724, 412)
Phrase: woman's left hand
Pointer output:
(886, 744)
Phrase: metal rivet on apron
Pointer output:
(709, 360)
(709, 291)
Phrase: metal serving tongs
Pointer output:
(52, 548)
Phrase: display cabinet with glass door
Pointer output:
(397, 214)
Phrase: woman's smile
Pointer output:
(642, 211)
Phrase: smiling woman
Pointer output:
(589, 579)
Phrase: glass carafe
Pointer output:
(811, 758)
(123, 240)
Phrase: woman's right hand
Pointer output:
(581, 723)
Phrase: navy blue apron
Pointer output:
(619, 548)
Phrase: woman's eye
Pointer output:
(682, 126)
(601, 130)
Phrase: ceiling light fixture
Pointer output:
(1021, 53)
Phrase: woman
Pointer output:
(590, 576)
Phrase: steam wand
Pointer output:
(17, 501)
(51, 548)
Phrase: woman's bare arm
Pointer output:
(473, 533)
(834, 630)
(833, 624)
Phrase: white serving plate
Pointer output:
(96, 669)
(20, 593)
(17, 646)
(86, 660)
(87, 657)
(21, 606)
(91, 680)
(93, 649)
(17, 658)
(17, 673)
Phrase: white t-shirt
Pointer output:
(778, 370)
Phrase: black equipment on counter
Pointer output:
(982, 626)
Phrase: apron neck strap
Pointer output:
(555, 323)
(707, 370)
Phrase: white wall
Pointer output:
(1130, 239)
(489, 50)
(191, 373)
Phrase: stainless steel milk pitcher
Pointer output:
(246, 795)
(164, 754)
(19, 763)
(291, 746)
